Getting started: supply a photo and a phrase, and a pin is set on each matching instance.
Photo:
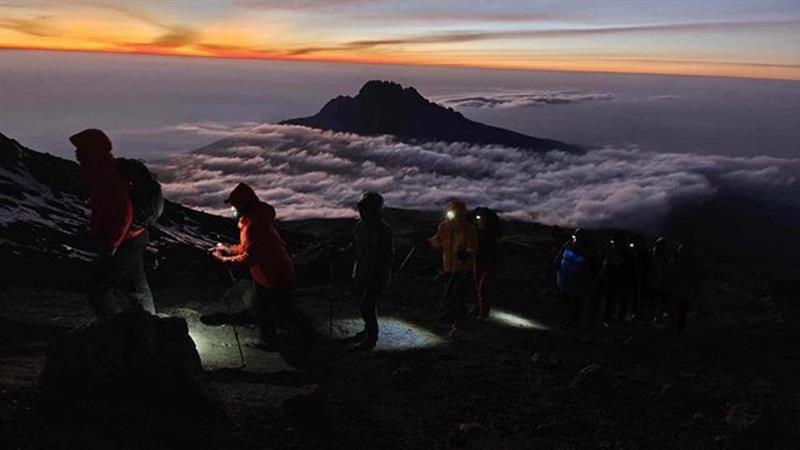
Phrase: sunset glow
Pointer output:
(740, 39)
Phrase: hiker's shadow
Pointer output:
(223, 318)
(288, 378)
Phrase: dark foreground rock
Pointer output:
(135, 365)
(309, 410)
(594, 378)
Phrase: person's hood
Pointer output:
(460, 208)
(92, 146)
(242, 197)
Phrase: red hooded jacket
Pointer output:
(109, 190)
(261, 247)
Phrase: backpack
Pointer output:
(148, 202)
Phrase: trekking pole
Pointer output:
(235, 331)
(406, 259)
(330, 296)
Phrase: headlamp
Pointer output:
(451, 214)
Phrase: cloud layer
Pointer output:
(521, 99)
(312, 173)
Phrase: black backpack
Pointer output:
(148, 202)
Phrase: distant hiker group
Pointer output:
(624, 273)
(632, 279)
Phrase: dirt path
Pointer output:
(505, 383)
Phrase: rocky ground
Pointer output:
(521, 380)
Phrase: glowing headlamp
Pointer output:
(451, 214)
(478, 217)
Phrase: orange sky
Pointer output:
(735, 41)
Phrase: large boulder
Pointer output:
(133, 363)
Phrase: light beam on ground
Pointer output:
(514, 320)
(395, 334)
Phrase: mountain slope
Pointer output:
(384, 107)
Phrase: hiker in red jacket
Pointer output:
(120, 245)
(263, 251)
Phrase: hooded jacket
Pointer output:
(455, 235)
(109, 191)
(261, 247)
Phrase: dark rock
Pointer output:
(466, 431)
(754, 426)
(309, 410)
(404, 376)
(563, 428)
(593, 378)
(135, 362)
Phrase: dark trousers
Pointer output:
(483, 283)
(455, 293)
(370, 294)
(121, 273)
(617, 298)
(278, 306)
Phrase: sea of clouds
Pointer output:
(306, 173)
(518, 99)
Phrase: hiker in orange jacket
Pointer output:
(263, 251)
(120, 245)
(457, 239)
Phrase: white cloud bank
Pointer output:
(311, 173)
(518, 99)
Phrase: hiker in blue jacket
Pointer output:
(575, 273)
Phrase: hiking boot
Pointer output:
(366, 345)
(358, 337)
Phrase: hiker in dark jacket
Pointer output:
(488, 225)
(618, 275)
(687, 275)
(262, 250)
(372, 271)
(119, 244)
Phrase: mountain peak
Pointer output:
(386, 107)
(380, 89)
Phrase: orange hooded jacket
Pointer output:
(261, 247)
(109, 190)
(454, 235)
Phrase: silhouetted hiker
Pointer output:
(488, 226)
(458, 242)
(575, 273)
(642, 271)
(618, 277)
(687, 278)
(372, 271)
(124, 200)
(263, 251)
(662, 256)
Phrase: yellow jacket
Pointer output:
(452, 236)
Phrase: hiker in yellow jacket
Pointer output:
(457, 239)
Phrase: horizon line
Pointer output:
(411, 64)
